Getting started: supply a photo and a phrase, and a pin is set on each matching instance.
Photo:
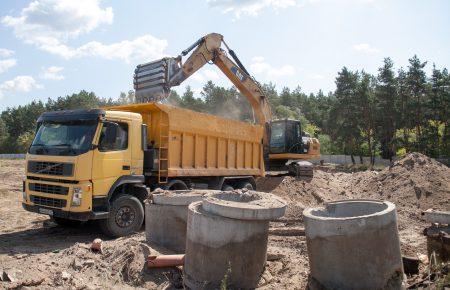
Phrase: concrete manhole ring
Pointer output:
(178, 197)
(248, 205)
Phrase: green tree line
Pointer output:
(387, 114)
(18, 124)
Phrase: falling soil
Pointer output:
(38, 254)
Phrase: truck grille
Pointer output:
(51, 168)
(46, 201)
(48, 188)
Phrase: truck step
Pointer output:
(100, 215)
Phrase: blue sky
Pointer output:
(52, 48)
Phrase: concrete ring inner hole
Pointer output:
(351, 209)
(238, 197)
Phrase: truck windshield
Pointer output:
(277, 137)
(67, 138)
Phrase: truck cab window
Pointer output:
(113, 137)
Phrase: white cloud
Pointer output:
(254, 7)
(197, 92)
(205, 75)
(6, 52)
(261, 67)
(211, 75)
(6, 64)
(51, 24)
(19, 84)
(52, 73)
(143, 48)
(250, 7)
(316, 76)
(198, 77)
(365, 48)
(58, 19)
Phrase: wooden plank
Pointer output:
(434, 216)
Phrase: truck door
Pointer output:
(112, 157)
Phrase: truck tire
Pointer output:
(176, 184)
(227, 187)
(245, 184)
(66, 223)
(125, 217)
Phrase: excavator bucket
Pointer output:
(153, 80)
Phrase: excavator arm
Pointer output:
(153, 81)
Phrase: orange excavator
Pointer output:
(286, 146)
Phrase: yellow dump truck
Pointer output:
(101, 163)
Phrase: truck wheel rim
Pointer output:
(125, 217)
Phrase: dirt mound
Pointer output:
(415, 181)
(302, 193)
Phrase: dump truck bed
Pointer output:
(198, 144)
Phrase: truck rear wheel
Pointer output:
(227, 187)
(125, 217)
(245, 184)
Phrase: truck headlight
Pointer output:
(77, 195)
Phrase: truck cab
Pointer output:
(82, 160)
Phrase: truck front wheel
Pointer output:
(125, 217)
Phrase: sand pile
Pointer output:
(414, 181)
(302, 193)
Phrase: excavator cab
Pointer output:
(286, 136)
(289, 147)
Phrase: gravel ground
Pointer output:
(38, 254)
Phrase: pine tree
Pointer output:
(386, 96)
(434, 112)
(403, 106)
(417, 81)
(366, 97)
(445, 113)
(346, 112)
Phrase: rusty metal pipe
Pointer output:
(162, 261)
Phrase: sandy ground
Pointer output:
(38, 254)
